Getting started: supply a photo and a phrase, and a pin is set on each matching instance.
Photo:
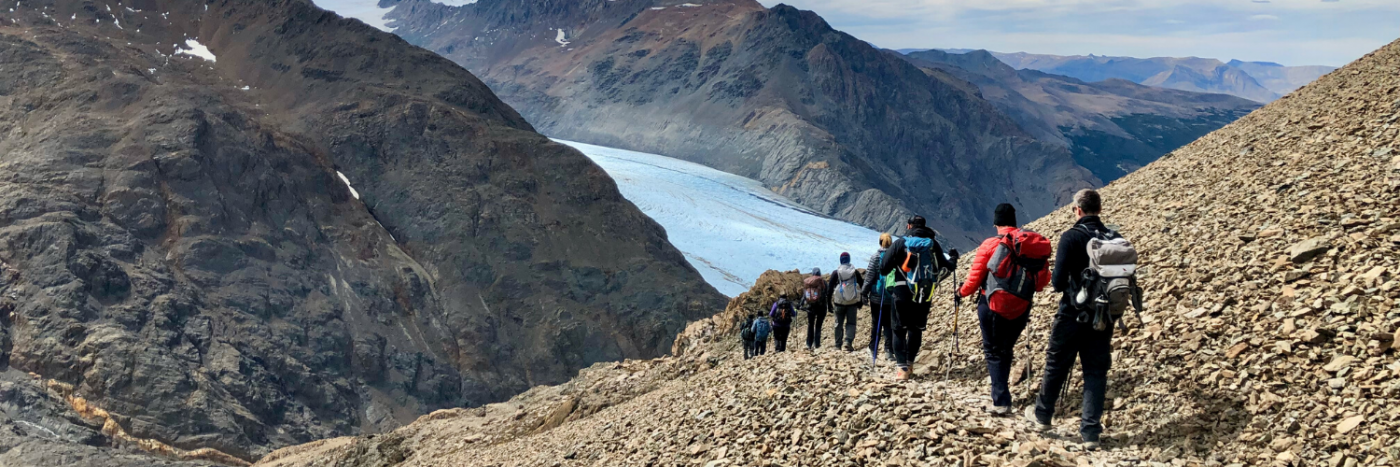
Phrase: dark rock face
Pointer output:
(179, 247)
(1112, 127)
(772, 94)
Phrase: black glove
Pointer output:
(957, 300)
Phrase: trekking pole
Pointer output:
(879, 318)
(957, 303)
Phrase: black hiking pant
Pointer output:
(999, 336)
(749, 349)
(881, 324)
(814, 328)
(1070, 339)
(780, 336)
(760, 347)
(910, 319)
(846, 324)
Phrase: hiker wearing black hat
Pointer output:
(1073, 334)
(844, 290)
(999, 269)
(817, 302)
(911, 269)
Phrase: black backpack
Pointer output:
(747, 333)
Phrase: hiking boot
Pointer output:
(902, 374)
(999, 411)
(849, 348)
(889, 356)
(1035, 422)
(1091, 445)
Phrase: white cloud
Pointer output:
(1263, 18)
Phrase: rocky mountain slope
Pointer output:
(1242, 79)
(231, 226)
(776, 95)
(1112, 127)
(1270, 262)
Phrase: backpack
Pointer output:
(1014, 266)
(879, 285)
(783, 309)
(922, 269)
(1109, 284)
(812, 289)
(761, 328)
(847, 292)
(747, 332)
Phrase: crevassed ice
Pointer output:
(367, 11)
(730, 228)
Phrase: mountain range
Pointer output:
(776, 94)
(233, 226)
(1257, 81)
(1112, 127)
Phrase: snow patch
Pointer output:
(730, 228)
(354, 193)
(560, 38)
(690, 5)
(198, 50)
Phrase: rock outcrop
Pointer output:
(776, 95)
(239, 225)
(1269, 258)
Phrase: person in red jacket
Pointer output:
(999, 332)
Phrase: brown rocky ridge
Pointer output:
(1270, 262)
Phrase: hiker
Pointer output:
(781, 320)
(762, 326)
(817, 302)
(911, 268)
(880, 302)
(1008, 270)
(1073, 333)
(747, 335)
(844, 289)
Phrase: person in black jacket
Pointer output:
(880, 302)
(845, 329)
(910, 317)
(1072, 334)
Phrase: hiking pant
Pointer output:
(814, 328)
(846, 321)
(780, 336)
(749, 348)
(1069, 339)
(909, 321)
(999, 336)
(881, 324)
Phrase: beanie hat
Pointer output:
(845, 258)
(1005, 216)
(816, 271)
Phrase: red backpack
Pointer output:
(1015, 266)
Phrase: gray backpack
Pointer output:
(847, 292)
(1109, 284)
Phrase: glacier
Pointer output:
(729, 227)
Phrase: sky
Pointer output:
(1291, 32)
